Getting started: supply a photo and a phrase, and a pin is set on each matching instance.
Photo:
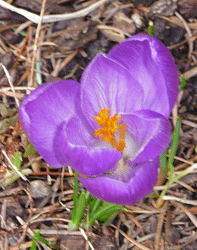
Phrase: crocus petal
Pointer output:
(151, 64)
(42, 113)
(142, 178)
(106, 84)
(85, 160)
(78, 134)
(165, 61)
(150, 131)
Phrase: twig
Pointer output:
(15, 95)
(189, 123)
(186, 211)
(190, 73)
(190, 43)
(178, 22)
(52, 18)
(174, 198)
(130, 239)
(13, 166)
(159, 227)
(10, 82)
(86, 238)
(36, 42)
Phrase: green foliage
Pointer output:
(175, 142)
(22, 32)
(38, 75)
(17, 160)
(150, 28)
(104, 212)
(80, 209)
(165, 165)
(183, 83)
(98, 210)
(11, 176)
(42, 240)
(29, 151)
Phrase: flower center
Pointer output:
(109, 126)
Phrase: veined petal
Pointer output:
(106, 84)
(86, 160)
(151, 64)
(126, 188)
(150, 131)
(42, 113)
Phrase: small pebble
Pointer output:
(39, 189)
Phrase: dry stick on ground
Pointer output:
(193, 238)
(193, 38)
(53, 18)
(10, 82)
(190, 73)
(30, 83)
(13, 166)
(130, 239)
(186, 211)
(4, 239)
(174, 198)
(190, 43)
(30, 216)
(15, 95)
(178, 22)
(159, 227)
(22, 47)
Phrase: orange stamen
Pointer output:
(109, 127)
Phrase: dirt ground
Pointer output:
(61, 50)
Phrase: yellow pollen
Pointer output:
(109, 126)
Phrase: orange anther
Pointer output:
(109, 127)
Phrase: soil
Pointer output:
(62, 50)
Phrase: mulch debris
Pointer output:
(63, 49)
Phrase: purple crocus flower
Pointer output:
(112, 127)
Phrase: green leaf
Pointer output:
(163, 168)
(22, 32)
(163, 159)
(38, 75)
(174, 146)
(75, 195)
(38, 238)
(17, 160)
(88, 197)
(29, 151)
(42, 240)
(175, 141)
(111, 211)
(80, 209)
(33, 245)
(105, 212)
(11, 177)
(183, 82)
(96, 203)
(79, 212)
(94, 206)
(150, 28)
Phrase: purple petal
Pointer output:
(106, 84)
(42, 113)
(85, 160)
(151, 64)
(151, 133)
(126, 188)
